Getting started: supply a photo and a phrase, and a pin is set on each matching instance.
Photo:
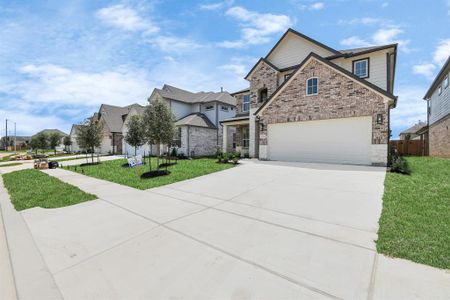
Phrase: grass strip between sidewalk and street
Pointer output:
(33, 188)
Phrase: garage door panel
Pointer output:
(336, 141)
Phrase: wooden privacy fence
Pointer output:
(411, 147)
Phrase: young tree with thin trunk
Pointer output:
(136, 134)
(89, 135)
(54, 140)
(40, 141)
(67, 142)
(159, 124)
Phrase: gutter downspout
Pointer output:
(217, 124)
(188, 142)
(113, 143)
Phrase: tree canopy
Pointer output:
(54, 140)
(89, 135)
(159, 123)
(136, 132)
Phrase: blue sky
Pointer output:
(61, 59)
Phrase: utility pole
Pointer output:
(6, 137)
(15, 138)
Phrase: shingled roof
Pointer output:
(114, 116)
(195, 119)
(174, 93)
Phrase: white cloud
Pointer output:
(440, 56)
(308, 4)
(53, 84)
(256, 28)
(354, 41)
(426, 69)
(410, 107)
(367, 21)
(442, 52)
(383, 36)
(317, 6)
(238, 66)
(216, 5)
(126, 18)
(174, 44)
(29, 123)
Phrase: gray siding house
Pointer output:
(438, 102)
(198, 117)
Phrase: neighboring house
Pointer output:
(112, 118)
(48, 132)
(198, 118)
(128, 149)
(438, 102)
(73, 138)
(413, 133)
(310, 102)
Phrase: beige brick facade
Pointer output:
(439, 134)
(338, 97)
(263, 77)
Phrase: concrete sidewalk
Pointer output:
(257, 231)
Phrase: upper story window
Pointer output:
(209, 107)
(440, 89)
(446, 81)
(224, 108)
(312, 86)
(361, 68)
(246, 103)
(287, 76)
(262, 97)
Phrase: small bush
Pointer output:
(225, 158)
(399, 165)
(396, 163)
(174, 152)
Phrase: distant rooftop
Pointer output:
(175, 93)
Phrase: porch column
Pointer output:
(225, 137)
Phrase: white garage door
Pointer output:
(346, 140)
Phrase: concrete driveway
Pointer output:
(257, 231)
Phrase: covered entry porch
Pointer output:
(241, 135)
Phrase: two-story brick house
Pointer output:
(310, 102)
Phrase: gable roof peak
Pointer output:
(299, 34)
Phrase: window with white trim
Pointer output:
(224, 108)
(361, 68)
(312, 86)
(246, 103)
(209, 107)
(446, 81)
(440, 89)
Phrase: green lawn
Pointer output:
(6, 158)
(415, 222)
(115, 171)
(31, 188)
